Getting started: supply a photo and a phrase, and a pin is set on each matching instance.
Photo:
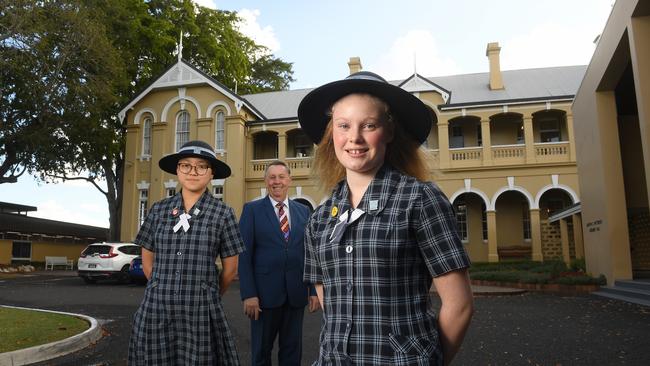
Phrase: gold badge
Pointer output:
(335, 211)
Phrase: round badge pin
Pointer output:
(335, 211)
(175, 211)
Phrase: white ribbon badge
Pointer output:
(183, 222)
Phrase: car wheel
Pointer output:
(125, 277)
(89, 280)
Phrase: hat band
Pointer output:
(197, 150)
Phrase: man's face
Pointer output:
(277, 182)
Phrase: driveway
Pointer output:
(528, 329)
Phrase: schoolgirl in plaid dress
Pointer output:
(181, 320)
(375, 246)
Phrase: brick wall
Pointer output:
(551, 240)
(639, 227)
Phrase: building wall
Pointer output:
(623, 42)
(41, 249)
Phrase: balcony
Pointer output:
(300, 167)
(466, 157)
(509, 154)
(552, 152)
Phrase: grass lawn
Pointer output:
(26, 328)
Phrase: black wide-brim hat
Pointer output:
(195, 149)
(409, 112)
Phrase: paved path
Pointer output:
(526, 329)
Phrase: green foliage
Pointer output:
(27, 328)
(578, 265)
(550, 271)
(68, 66)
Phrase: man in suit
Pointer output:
(271, 270)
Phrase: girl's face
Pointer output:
(193, 181)
(360, 134)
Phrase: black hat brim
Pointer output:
(169, 163)
(409, 111)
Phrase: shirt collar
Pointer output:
(375, 198)
(274, 202)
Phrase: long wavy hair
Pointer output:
(402, 153)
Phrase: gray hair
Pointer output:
(274, 163)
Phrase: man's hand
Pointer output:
(314, 304)
(252, 308)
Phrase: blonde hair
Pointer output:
(402, 153)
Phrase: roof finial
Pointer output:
(180, 47)
(415, 59)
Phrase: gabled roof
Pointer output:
(417, 83)
(549, 83)
(463, 91)
(182, 74)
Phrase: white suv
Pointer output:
(107, 260)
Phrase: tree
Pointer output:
(69, 65)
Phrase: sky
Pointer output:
(392, 38)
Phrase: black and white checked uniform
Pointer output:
(376, 308)
(181, 319)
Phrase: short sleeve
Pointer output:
(312, 273)
(231, 241)
(437, 234)
(145, 237)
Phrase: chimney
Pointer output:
(354, 64)
(492, 52)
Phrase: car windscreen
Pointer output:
(97, 249)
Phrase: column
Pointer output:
(529, 139)
(487, 141)
(443, 143)
(577, 236)
(204, 129)
(493, 255)
(639, 33)
(129, 193)
(536, 235)
(564, 233)
(571, 137)
(160, 146)
(282, 146)
(234, 189)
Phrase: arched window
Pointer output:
(220, 129)
(182, 129)
(146, 136)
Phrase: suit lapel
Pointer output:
(273, 219)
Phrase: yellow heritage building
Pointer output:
(503, 150)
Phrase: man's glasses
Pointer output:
(200, 169)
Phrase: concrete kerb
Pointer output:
(51, 350)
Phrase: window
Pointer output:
(526, 221)
(142, 205)
(217, 192)
(171, 192)
(549, 130)
(21, 250)
(484, 222)
(220, 132)
(456, 137)
(553, 205)
(182, 129)
(461, 219)
(520, 134)
(146, 136)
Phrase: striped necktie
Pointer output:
(284, 221)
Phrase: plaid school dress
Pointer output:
(376, 269)
(181, 320)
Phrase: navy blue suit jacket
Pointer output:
(270, 268)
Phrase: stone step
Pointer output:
(639, 285)
(630, 291)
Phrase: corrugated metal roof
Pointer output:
(35, 225)
(466, 89)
